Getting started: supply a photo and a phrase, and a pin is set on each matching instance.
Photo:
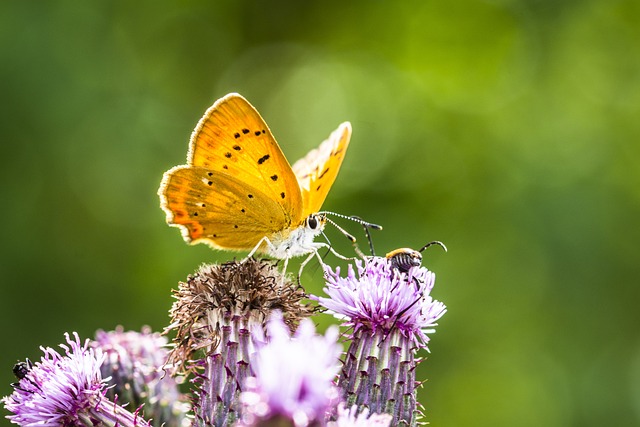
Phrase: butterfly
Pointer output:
(238, 191)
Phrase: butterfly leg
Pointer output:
(284, 269)
(306, 261)
(333, 251)
(266, 240)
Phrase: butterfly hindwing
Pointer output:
(219, 209)
(317, 171)
(232, 138)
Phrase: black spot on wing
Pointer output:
(225, 167)
(237, 147)
(250, 196)
(274, 177)
(263, 159)
(282, 194)
(210, 183)
(236, 135)
(210, 173)
(245, 131)
(323, 173)
(227, 155)
(257, 133)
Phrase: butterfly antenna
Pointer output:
(342, 230)
(367, 233)
(355, 219)
(435, 242)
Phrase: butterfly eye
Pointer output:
(312, 222)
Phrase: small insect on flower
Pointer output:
(402, 259)
(20, 370)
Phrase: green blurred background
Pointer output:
(509, 130)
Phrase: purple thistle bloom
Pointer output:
(134, 362)
(294, 376)
(66, 391)
(381, 299)
(351, 418)
(390, 314)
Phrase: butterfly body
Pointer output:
(238, 191)
(296, 241)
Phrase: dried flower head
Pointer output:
(250, 290)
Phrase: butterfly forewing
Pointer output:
(218, 209)
(237, 187)
(317, 171)
(232, 138)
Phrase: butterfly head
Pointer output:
(315, 223)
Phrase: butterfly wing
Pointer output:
(219, 209)
(317, 171)
(232, 139)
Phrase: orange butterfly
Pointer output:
(238, 192)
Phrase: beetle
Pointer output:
(402, 259)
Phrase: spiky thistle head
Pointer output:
(380, 299)
(389, 314)
(66, 390)
(134, 363)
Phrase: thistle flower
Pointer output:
(215, 312)
(351, 418)
(293, 383)
(66, 391)
(134, 362)
(390, 314)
